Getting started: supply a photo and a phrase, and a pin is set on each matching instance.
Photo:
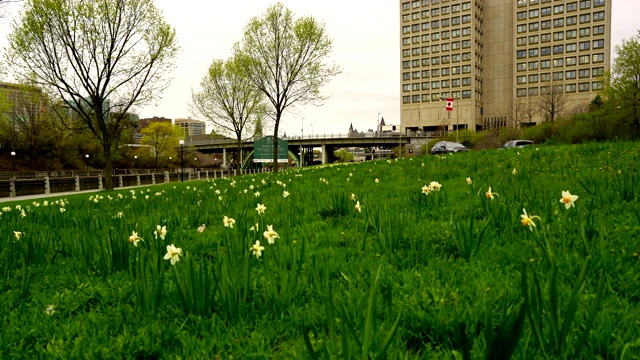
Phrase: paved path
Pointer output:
(66, 193)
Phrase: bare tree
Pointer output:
(552, 102)
(229, 100)
(102, 57)
(284, 58)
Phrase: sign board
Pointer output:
(263, 150)
(449, 104)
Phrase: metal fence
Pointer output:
(37, 183)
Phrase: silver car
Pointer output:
(443, 147)
(516, 144)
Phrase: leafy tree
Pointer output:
(163, 137)
(230, 102)
(623, 89)
(102, 57)
(285, 60)
(343, 155)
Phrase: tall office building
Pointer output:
(191, 126)
(504, 62)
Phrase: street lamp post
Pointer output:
(13, 161)
(135, 160)
(196, 161)
(87, 160)
(170, 163)
(181, 160)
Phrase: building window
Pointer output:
(545, 50)
(415, 51)
(455, 20)
(435, 60)
(406, 18)
(425, 74)
(466, 44)
(415, 75)
(406, 76)
(435, 24)
(521, 66)
(406, 99)
(545, 64)
(446, 71)
(585, 32)
(415, 87)
(544, 38)
(466, 31)
(435, 36)
(558, 49)
(466, 56)
(425, 14)
(558, 63)
(571, 74)
(455, 58)
(533, 78)
(584, 59)
(435, 84)
(435, 49)
(466, 94)
(572, 7)
(445, 22)
(455, 83)
(558, 75)
(558, 9)
(446, 47)
(599, 15)
(598, 44)
(406, 41)
(406, 6)
(435, 72)
(445, 34)
(583, 73)
(415, 28)
(545, 90)
(572, 34)
(425, 26)
(415, 16)
(533, 65)
(415, 63)
(466, 69)
(533, 13)
(445, 59)
(570, 88)
(533, 39)
(446, 84)
(572, 20)
(597, 85)
(570, 61)
(455, 8)
(455, 70)
(583, 87)
(521, 92)
(522, 41)
(545, 11)
(597, 58)
(455, 45)
(406, 64)
(415, 39)
(466, 5)
(597, 72)
(435, 97)
(519, 80)
(521, 54)
(534, 26)
(545, 24)
(522, 15)
(597, 3)
(533, 52)
(558, 22)
(533, 91)
(585, 18)
(559, 35)
(455, 33)
(598, 30)
(425, 97)
(584, 45)
(415, 4)
(546, 77)
(572, 47)
(585, 4)
(466, 81)
(415, 98)
(425, 38)
(466, 19)
(435, 12)
(425, 62)
(444, 10)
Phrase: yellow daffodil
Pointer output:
(228, 222)
(426, 190)
(173, 254)
(514, 172)
(134, 238)
(469, 182)
(490, 194)
(261, 208)
(285, 194)
(435, 186)
(528, 220)
(377, 181)
(352, 196)
(18, 234)
(270, 235)
(257, 194)
(254, 227)
(257, 249)
(568, 199)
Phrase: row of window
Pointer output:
(464, 94)
(558, 75)
(436, 60)
(568, 88)
(445, 71)
(561, 49)
(559, 22)
(546, 64)
(444, 84)
(425, 50)
(425, 14)
(417, 39)
(417, 3)
(559, 9)
(436, 24)
(560, 35)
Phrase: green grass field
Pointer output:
(414, 258)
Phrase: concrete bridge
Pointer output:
(305, 145)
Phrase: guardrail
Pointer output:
(20, 186)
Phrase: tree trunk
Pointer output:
(108, 179)
(275, 144)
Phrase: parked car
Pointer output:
(516, 144)
(443, 147)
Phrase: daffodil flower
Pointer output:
(426, 190)
(435, 186)
(160, 231)
(228, 222)
(514, 172)
(490, 194)
(528, 220)
(352, 197)
(257, 249)
(17, 234)
(261, 208)
(270, 235)
(201, 228)
(358, 206)
(254, 227)
(568, 199)
(285, 194)
(134, 238)
(173, 254)
(469, 182)
(377, 181)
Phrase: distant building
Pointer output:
(143, 123)
(192, 126)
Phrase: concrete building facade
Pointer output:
(191, 126)
(502, 61)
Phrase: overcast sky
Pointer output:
(366, 47)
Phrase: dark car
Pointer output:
(516, 144)
(443, 147)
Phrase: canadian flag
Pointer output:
(449, 104)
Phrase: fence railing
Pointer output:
(21, 184)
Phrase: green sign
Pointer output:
(263, 150)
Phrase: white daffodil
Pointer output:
(435, 186)
(426, 190)
(358, 206)
(528, 220)
(514, 172)
(568, 199)
(228, 222)
(261, 208)
(160, 231)
(17, 234)
(134, 238)
(201, 228)
(257, 194)
(173, 254)
(257, 249)
(270, 235)
(285, 194)
(469, 182)
(490, 194)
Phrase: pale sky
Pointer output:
(366, 37)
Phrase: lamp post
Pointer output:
(87, 161)
(196, 161)
(135, 159)
(170, 163)
(13, 161)
(181, 160)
